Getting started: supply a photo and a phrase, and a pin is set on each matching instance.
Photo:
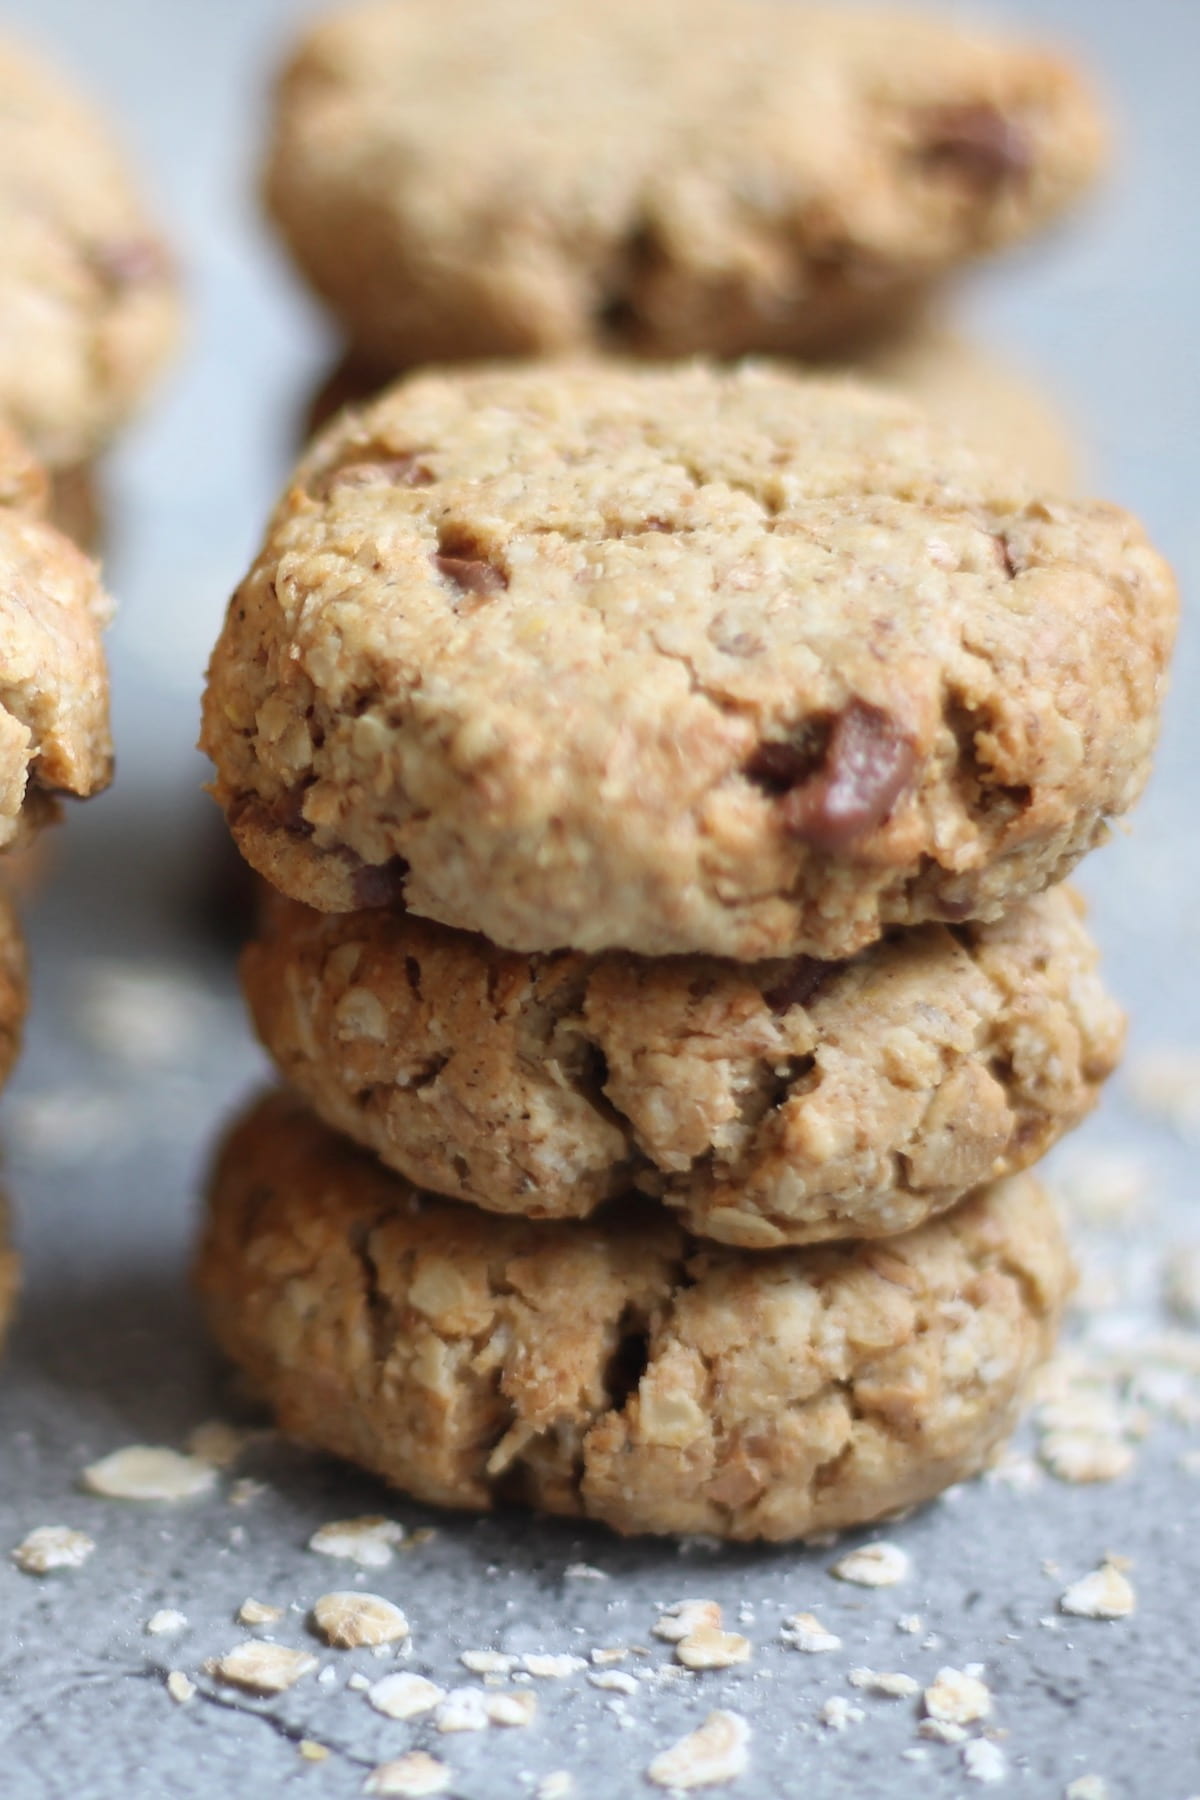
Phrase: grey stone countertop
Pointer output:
(138, 1048)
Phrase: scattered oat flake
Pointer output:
(614, 1681)
(873, 1565)
(411, 1777)
(717, 1752)
(258, 1612)
(516, 1708)
(1087, 1787)
(1104, 1594)
(875, 1681)
(679, 1621)
(369, 1541)
(804, 1631)
(311, 1751)
(179, 1687)
(165, 1621)
(143, 1472)
(244, 1490)
(218, 1443)
(559, 1785)
(984, 1761)
(487, 1662)
(404, 1696)
(263, 1668)
(606, 1654)
(552, 1668)
(942, 1731)
(837, 1713)
(50, 1547)
(463, 1709)
(350, 1620)
(958, 1697)
(912, 1623)
(583, 1572)
(710, 1648)
(1085, 1456)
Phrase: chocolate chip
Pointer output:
(472, 574)
(799, 985)
(1004, 552)
(866, 765)
(379, 884)
(978, 141)
(372, 469)
(778, 767)
(129, 262)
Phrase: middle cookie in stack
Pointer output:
(732, 683)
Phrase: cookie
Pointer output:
(672, 177)
(89, 309)
(10, 1271)
(768, 1103)
(14, 1001)
(621, 1372)
(997, 408)
(54, 732)
(679, 660)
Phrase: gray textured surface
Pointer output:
(108, 1128)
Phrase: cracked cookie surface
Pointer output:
(89, 309)
(679, 660)
(768, 1103)
(54, 729)
(672, 177)
(621, 1372)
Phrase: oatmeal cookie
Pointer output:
(679, 660)
(89, 309)
(769, 1103)
(521, 177)
(10, 1271)
(14, 996)
(621, 1372)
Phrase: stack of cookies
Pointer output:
(665, 774)
(88, 312)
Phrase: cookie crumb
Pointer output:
(873, 1565)
(218, 1443)
(838, 1712)
(368, 1541)
(410, 1777)
(1085, 1456)
(551, 1668)
(717, 1752)
(488, 1662)
(262, 1668)
(311, 1751)
(804, 1631)
(180, 1688)
(614, 1681)
(684, 1617)
(258, 1612)
(50, 1547)
(1104, 1594)
(165, 1621)
(463, 1709)
(912, 1623)
(984, 1761)
(958, 1697)
(146, 1472)
(348, 1621)
(874, 1681)
(710, 1648)
(942, 1731)
(403, 1695)
(518, 1708)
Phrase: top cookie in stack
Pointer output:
(679, 661)
(686, 176)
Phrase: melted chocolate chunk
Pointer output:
(371, 468)
(978, 141)
(802, 981)
(380, 884)
(129, 262)
(865, 767)
(472, 574)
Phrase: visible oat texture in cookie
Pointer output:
(511, 177)
(621, 1372)
(54, 736)
(770, 1103)
(679, 660)
(88, 301)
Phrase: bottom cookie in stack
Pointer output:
(618, 1369)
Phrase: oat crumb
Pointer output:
(581, 1571)
(218, 1443)
(614, 1681)
(463, 1709)
(50, 1547)
(710, 1648)
(984, 1761)
(1104, 1594)
(144, 1472)
(716, 1753)
(684, 1617)
(958, 1697)
(258, 1612)
(804, 1631)
(941, 1731)
(401, 1696)
(1086, 1456)
(875, 1681)
(606, 1654)
(551, 1668)
(262, 1668)
(1087, 1787)
(873, 1565)
(311, 1751)
(368, 1541)
(244, 1491)
(487, 1662)
(912, 1623)
(180, 1688)
(165, 1621)
(559, 1785)
(514, 1708)
(410, 1777)
(349, 1620)
(837, 1713)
